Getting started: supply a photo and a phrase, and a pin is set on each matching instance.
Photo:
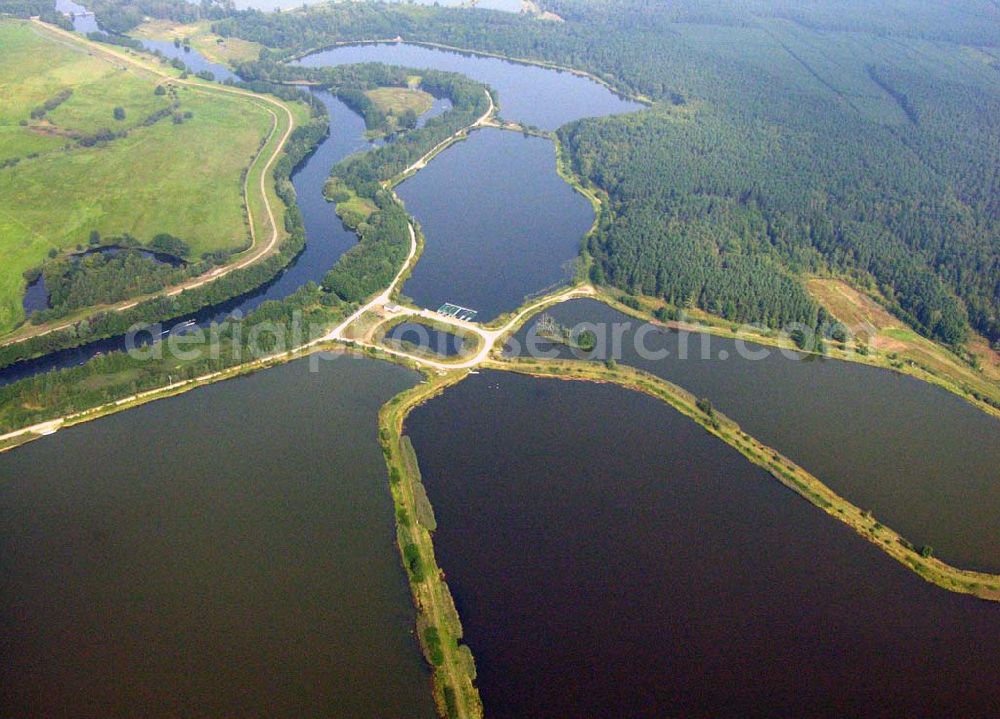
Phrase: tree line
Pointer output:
(43, 9)
(121, 16)
(64, 391)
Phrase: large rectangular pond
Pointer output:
(924, 461)
(609, 558)
(229, 552)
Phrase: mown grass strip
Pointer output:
(438, 625)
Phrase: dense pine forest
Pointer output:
(785, 138)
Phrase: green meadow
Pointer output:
(181, 174)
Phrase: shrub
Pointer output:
(169, 245)
(586, 340)
(411, 554)
(432, 640)
(666, 314)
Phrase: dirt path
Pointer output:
(335, 335)
(257, 249)
(421, 163)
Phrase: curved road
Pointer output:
(257, 251)
(489, 338)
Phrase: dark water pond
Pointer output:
(529, 94)
(415, 335)
(611, 559)
(441, 106)
(36, 295)
(926, 462)
(499, 223)
(195, 61)
(160, 257)
(229, 552)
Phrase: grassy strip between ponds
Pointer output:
(979, 584)
(438, 625)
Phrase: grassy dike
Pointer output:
(979, 584)
(20, 437)
(438, 625)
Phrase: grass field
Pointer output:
(354, 208)
(224, 51)
(397, 100)
(891, 335)
(34, 71)
(184, 179)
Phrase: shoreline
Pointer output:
(875, 361)
(641, 99)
